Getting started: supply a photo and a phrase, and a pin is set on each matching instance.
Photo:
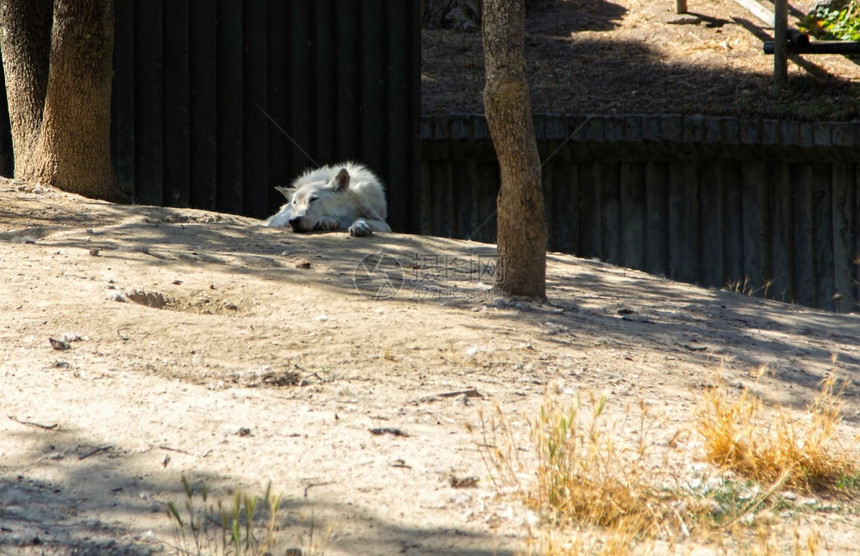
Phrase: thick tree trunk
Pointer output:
(25, 27)
(73, 151)
(60, 102)
(522, 233)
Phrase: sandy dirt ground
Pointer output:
(642, 57)
(344, 371)
(141, 344)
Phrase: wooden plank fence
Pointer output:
(769, 207)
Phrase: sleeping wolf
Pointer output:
(337, 197)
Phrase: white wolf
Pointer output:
(336, 197)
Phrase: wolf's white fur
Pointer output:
(344, 196)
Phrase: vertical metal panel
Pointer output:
(203, 45)
(301, 86)
(123, 97)
(348, 38)
(177, 105)
(259, 194)
(229, 115)
(326, 70)
(404, 103)
(374, 93)
(280, 148)
(149, 104)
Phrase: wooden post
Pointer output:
(753, 7)
(780, 40)
(681, 6)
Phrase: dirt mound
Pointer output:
(209, 346)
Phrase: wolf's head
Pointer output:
(319, 206)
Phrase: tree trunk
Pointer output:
(63, 139)
(522, 233)
(25, 27)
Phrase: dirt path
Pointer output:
(259, 360)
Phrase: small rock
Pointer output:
(150, 299)
(59, 345)
(116, 295)
(462, 482)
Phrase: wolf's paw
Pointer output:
(327, 225)
(360, 228)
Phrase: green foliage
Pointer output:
(244, 529)
(829, 24)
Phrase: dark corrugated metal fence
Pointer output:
(201, 87)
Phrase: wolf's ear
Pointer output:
(285, 191)
(342, 180)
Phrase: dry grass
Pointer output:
(619, 486)
(583, 480)
(774, 447)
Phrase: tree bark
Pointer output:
(25, 27)
(62, 111)
(522, 233)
